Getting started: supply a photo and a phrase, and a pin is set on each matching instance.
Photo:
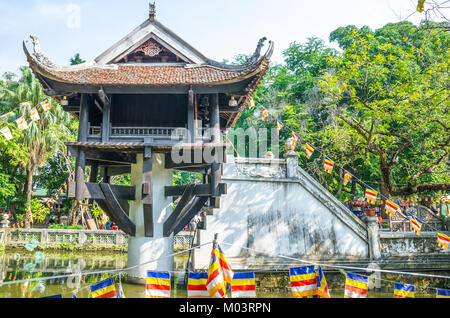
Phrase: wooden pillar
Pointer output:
(214, 123)
(82, 137)
(106, 120)
(93, 177)
(191, 116)
(147, 198)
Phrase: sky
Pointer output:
(218, 29)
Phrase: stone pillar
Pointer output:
(291, 164)
(4, 223)
(142, 249)
(373, 238)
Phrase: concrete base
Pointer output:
(148, 253)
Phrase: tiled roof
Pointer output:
(146, 75)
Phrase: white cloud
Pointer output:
(70, 13)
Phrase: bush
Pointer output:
(65, 227)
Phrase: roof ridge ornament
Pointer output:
(152, 12)
(38, 53)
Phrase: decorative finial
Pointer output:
(152, 12)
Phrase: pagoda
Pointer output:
(149, 104)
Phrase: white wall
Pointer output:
(275, 215)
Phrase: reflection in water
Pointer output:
(24, 265)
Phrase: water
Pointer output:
(33, 264)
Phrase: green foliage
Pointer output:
(76, 59)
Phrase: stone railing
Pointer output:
(86, 238)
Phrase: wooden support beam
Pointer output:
(93, 191)
(191, 116)
(106, 120)
(216, 177)
(185, 200)
(147, 193)
(200, 190)
(83, 127)
(185, 216)
(214, 118)
(114, 208)
(93, 177)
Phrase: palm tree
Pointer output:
(42, 137)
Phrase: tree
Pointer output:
(389, 94)
(76, 59)
(42, 137)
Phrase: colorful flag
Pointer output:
(443, 241)
(309, 150)
(243, 285)
(279, 125)
(347, 177)
(416, 225)
(303, 281)
(158, 285)
(103, 289)
(403, 290)
(294, 137)
(197, 285)
(45, 104)
(29, 214)
(219, 273)
(120, 294)
(442, 293)
(322, 287)
(21, 123)
(391, 208)
(328, 165)
(251, 103)
(104, 218)
(370, 195)
(34, 114)
(54, 296)
(356, 285)
(74, 295)
(6, 132)
(265, 112)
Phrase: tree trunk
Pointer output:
(30, 170)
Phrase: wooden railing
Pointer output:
(154, 132)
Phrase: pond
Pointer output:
(21, 265)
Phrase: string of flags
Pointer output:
(370, 194)
(32, 215)
(22, 123)
(220, 281)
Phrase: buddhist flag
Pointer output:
(103, 289)
(34, 114)
(120, 293)
(303, 281)
(443, 241)
(309, 150)
(45, 104)
(328, 165)
(279, 126)
(7, 133)
(294, 137)
(322, 287)
(219, 273)
(416, 225)
(347, 177)
(243, 285)
(21, 123)
(29, 214)
(391, 208)
(158, 285)
(403, 290)
(251, 103)
(356, 285)
(197, 285)
(265, 112)
(370, 195)
(442, 293)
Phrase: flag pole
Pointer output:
(216, 235)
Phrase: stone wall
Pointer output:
(274, 208)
